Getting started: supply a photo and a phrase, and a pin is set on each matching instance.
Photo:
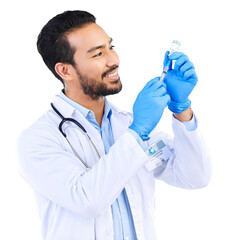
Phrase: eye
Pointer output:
(112, 47)
(98, 55)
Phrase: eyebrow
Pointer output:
(97, 47)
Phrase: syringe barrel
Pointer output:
(175, 46)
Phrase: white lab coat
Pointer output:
(75, 204)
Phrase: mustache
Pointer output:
(108, 71)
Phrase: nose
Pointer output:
(112, 59)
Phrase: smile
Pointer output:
(113, 74)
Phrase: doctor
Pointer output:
(105, 191)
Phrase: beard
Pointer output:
(96, 90)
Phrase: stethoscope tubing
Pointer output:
(64, 120)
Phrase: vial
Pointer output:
(175, 46)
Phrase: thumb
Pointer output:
(166, 60)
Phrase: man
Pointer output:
(104, 188)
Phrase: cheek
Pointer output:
(92, 68)
(95, 69)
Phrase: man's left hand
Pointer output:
(180, 81)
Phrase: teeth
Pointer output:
(113, 74)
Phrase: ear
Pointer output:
(64, 70)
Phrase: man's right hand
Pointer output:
(148, 107)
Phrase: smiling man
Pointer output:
(95, 66)
(87, 161)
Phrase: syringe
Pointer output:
(175, 46)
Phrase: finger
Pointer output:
(180, 61)
(188, 65)
(165, 99)
(154, 86)
(190, 75)
(151, 82)
(176, 55)
(166, 59)
(160, 92)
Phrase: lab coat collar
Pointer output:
(67, 110)
(64, 108)
(84, 111)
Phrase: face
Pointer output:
(97, 63)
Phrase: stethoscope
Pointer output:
(81, 127)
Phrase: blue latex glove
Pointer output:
(148, 107)
(180, 81)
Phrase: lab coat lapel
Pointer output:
(92, 132)
(69, 111)
(119, 124)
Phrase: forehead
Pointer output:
(88, 36)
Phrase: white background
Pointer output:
(142, 32)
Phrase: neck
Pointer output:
(97, 106)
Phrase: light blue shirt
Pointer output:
(123, 224)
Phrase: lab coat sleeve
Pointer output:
(189, 166)
(60, 177)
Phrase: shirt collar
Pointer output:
(107, 110)
(84, 111)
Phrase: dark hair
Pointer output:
(52, 43)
